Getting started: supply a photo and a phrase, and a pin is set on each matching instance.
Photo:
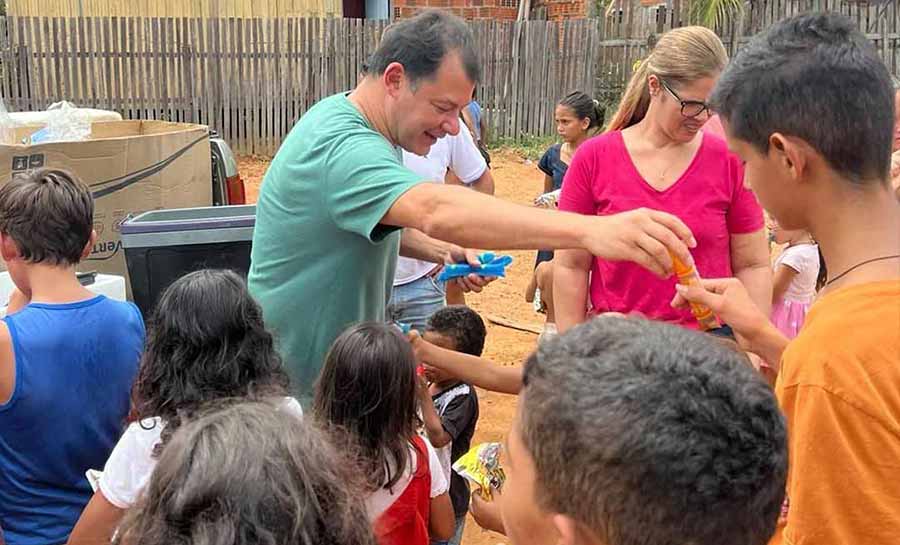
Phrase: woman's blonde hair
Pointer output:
(681, 55)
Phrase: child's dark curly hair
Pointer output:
(463, 325)
(205, 341)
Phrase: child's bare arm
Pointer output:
(470, 369)
(548, 183)
(434, 427)
(98, 522)
(529, 291)
(442, 519)
(784, 275)
(571, 273)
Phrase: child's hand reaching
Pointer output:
(422, 389)
(729, 300)
(419, 346)
(487, 513)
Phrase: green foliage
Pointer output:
(529, 147)
(599, 7)
(715, 14)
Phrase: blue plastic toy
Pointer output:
(491, 265)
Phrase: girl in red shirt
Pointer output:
(368, 389)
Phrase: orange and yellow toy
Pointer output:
(687, 276)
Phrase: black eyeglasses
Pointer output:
(689, 108)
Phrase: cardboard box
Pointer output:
(131, 167)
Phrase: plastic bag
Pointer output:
(481, 465)
(548, 200)
(65, 123)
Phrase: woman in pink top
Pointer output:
(654, 155)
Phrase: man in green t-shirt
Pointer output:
(336, 196)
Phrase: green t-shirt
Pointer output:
(320, 260)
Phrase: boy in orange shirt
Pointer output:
(803, 105)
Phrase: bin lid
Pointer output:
(191, 219)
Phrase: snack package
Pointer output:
(481, 466)
(548, 200)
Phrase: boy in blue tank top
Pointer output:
(67, 360)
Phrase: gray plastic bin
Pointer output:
(163, 245)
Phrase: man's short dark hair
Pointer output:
(49, 214)
(421, 43)
(815, 77)
(649, 433)
(463, 325)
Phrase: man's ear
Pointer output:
(90, 245)
(792, 154)
(394, 78)
(8, 248)
(572, 533)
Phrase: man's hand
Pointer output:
(487, 513)
(473, 282)
(643, 236)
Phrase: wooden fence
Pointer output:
(174, 8)
(251, 79)
(626, 27)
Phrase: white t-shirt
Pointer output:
(452, 152)
(803, 258)
(131, 463)
(380, 500)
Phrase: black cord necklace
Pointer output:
(858, 265)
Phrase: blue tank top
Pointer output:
(75, 364)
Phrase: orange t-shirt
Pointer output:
(839, 388)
